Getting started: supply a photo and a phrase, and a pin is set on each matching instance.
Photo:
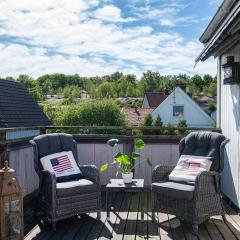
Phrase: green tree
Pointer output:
(212, 88)
(197, 83)
(105, 90)
(148, 122)
(151, 81)
(207, 79)
(170, 130)
(32, 86)
(10, 78)
(71, 92)
(182, 124)
(24, 78)
(211, 106)
(158, 123)
(101, 113)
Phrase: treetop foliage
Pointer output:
(114, 85)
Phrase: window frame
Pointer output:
(180, 115)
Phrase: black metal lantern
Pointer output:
(231, 71)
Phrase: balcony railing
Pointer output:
(92, 148)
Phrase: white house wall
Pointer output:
(193, 113)
(228, 120)
(145, 102)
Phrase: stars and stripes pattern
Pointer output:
(193, 167)
(61, 164)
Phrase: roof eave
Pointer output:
(221, 14)
(219, 35)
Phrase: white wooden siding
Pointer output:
(228, 120)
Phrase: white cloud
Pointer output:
(77, 36)
(169, 14)
(110, 13)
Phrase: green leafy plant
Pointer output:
(170, 129)
(126, 163)
(182, 124)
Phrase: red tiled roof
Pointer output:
(135, 116)
(155, 98)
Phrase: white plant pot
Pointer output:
(127, 178)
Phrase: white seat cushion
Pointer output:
(75, 187)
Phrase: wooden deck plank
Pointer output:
(119, 226)
(176, 227)
(203, 233)
(61, 228)
(234, 228)
(74, 228)
(153, 227)
(98, 223)
(131, 224)
(84, 230)
(142, 228)
(213, 231)
(164, 226)
(108, 228)
(125, 223)
(233, 221)
(223, 228)
(187, 230)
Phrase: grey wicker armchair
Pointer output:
(192, 204)
(60, 200)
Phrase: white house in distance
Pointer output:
(221, 39)
(178, 106)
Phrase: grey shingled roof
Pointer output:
(18, 108)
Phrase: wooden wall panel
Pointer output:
(99, 154)
(22, 162)
(92, 153)
(164, 154)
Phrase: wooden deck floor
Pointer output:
(125, 223)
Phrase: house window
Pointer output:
(178, 111)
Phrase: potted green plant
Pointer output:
(126, 163)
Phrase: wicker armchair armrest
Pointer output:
(161, 172)
(207, 182)
(91, 172)
(47, 179)
(47, 187)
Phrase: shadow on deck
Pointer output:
(126, 223)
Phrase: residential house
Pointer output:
(221, 39)
(136, 116)
(177, 106)
(19, 109)
(153, 99)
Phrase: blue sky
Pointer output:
(100, 37)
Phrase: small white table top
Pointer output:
(118, 183)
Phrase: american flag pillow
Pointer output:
(63, 164)
(188, 167)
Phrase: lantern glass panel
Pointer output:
(12, 218)
(228, 72)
